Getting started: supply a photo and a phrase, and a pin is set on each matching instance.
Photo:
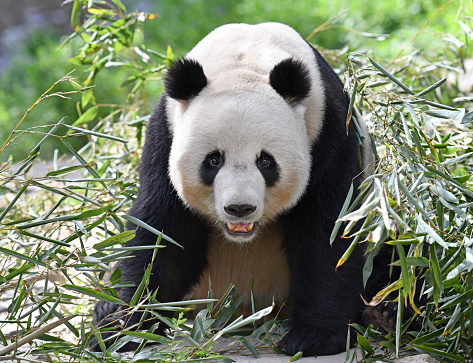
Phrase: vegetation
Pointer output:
(61, 232)
(358, 24)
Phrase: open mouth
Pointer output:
(240, 229)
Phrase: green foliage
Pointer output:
(61, 232)
(419, 199)
(181, 23)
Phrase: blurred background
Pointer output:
(31, 32)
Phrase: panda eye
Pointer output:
(265, 161)
(214, 160)
(268, 167)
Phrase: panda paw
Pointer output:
(313, 342)
(384, 316)
(381, 316)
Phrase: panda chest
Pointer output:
(262, 260)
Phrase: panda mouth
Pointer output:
(240, 228)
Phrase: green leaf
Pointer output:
(239, 322)
(22, 257)
(67, 170)
(431, 88)
(87, 116)
(413, 201)
(75, 15)
(341, 214)
(454, 318)
(148, 336)
(18, 271)
(98, 134)
(151, 229)
(13, 201)
(424, 227)
(96, 294)
(414, 261)
(406, 277)
(468, 117)
(86, 96)
(438, 281)
(445, 194)
(391, 77)
(406, 129)
(446, 114)
(350, 107)
(466, 29)
(144, 282)
(295, 357)
(466, 296)
(198, 331)
(365, 344)
(117, 239)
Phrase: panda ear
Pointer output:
(184, 79)
(290, 78)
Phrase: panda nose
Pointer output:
(239, 210)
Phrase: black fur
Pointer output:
(185, 79)
(290, 78)
(210, 167)
(323, 299)
(268, 168)
(175, 269)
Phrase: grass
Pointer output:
(61, 232)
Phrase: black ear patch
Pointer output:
(290, 78)
(184, 79)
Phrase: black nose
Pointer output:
(239, 210)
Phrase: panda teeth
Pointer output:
(240, 227)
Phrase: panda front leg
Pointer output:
(324, 299)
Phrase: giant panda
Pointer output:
(247, 163)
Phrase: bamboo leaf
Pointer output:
(391, 77)
(147, 336)
(446, 114)
(240, 322)
(22, 257)
(342, 212)
(406, 278)
(413, 201)
(445, 194)
(365, 344)
(438, 281)
(151, 229)
(75, 15)
(431, 88)
(468, 117)
(424, 227)
(95, 294)
(117, 239)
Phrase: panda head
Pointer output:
(240, 153)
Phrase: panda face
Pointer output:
(239, 158)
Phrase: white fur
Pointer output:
(240, 114)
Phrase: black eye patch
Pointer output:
(268, 167)
(210, 166)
